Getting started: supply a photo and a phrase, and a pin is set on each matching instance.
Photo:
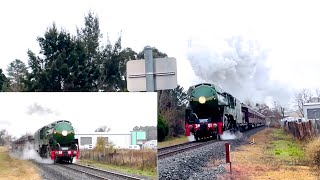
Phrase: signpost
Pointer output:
(151, 74)
(227, 145)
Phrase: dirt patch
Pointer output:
(16, 169)
(273, 155)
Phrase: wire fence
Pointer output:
(302, 130)
(137, 159)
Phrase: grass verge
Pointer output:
(285, 148)
(151, 173)
(16, 169)
(274, 155)
(173, 141)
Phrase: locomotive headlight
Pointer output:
(202, 99)
(64, 133)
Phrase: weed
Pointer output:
(313, 151)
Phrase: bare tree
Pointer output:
(5, 137)
(318, 94)
(301, 98)
(103, 129)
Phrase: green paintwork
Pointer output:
(53, 132)
(211, 98)
(63, 126)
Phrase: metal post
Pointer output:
(149, 69)
(227, 146)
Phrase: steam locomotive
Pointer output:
(211, 110)
(56, 141)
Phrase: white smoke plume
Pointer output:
(239, 67)
(29, 153)
(227, 135)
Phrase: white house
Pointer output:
(311, 111)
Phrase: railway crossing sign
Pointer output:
(151, 74)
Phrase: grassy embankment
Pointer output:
(16, 169)
(142, 162)
(173, 141)
(274, 155)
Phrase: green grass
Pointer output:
(284, 147)
(151, 173)
(173, 141)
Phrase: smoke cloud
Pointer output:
(29, 153)
(38, 109)
(238, 66)
(227, 135)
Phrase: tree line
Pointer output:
(84, 63)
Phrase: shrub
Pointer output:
(163, 128)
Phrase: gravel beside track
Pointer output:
(192, 164)
(58, 172)
(76, 171)
(179, 148)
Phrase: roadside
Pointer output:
(173, 141)
(273, 155)
(15, 169)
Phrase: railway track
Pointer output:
(99, 173)
(179, 148)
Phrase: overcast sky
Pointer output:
(286, 31)
(27, 112)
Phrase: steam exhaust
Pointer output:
(229, 135)
(29, 153)
(191, 138)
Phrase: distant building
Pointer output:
(311, 110)
(89, 140)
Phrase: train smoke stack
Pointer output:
(29, 153)
(237, 66)
(227, 135)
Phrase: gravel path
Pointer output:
(194, 164)
(57, 172)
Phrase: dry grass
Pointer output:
(173, 141)
(313, 152)
(261, 160)
(140, 160)
(16, 169)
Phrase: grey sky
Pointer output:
(286, 29)
(87, 111)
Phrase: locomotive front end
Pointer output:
(63, 139)
(202, 115)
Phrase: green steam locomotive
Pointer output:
(57, 141)
(211, 110)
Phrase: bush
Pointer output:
(163, 128)
(313, 151)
